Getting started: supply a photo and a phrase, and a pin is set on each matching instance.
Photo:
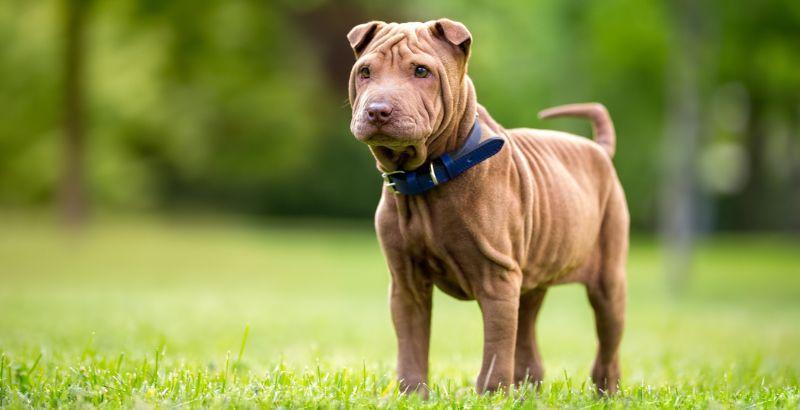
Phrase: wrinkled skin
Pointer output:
(425, 111)
(547, 209)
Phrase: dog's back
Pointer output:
(571, 179)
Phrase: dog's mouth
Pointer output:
(393, 152)
(386, 140)
(393, 158)
(396, 155)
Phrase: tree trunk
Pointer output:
(754, 190)
(72, 189)
(678, 207)
(794, 183)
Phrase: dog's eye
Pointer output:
(364, 72)
(421, 71)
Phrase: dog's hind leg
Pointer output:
(607, 292)
(527, 360)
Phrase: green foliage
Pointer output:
(242, 104)
(28, 92)
(200, 312)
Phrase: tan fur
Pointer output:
(547, 209)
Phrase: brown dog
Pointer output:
(547, 209)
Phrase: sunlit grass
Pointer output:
(202, 312)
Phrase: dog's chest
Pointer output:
(431, 237)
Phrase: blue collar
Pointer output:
(445, 168)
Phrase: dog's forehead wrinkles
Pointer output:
(396, 41)
(395, 51)
(406, 49)
(415, 47)
(389, 45)
(385, 48)
(384, 37)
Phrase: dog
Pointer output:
(482, 212)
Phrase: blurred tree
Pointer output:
(759, 47)
(681, 141)
(72, 189)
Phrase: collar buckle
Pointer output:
(433, 175)
(387, 180)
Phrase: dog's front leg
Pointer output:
(410, 301)
(499, 304)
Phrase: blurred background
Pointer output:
(208, 143)
(240, 106)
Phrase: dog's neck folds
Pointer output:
(453, 134)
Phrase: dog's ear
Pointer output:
(360, 35)
(454, 33)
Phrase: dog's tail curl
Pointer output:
(601, 122)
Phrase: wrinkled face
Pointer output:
(402, 87)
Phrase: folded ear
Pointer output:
(360, 35)
(454, 33)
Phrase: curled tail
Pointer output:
(601, 122)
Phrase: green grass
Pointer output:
(148, 311)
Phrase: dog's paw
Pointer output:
(493, 384)
(606, 377)
(533, 375)
(414, 386)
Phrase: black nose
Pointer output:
(378, 112)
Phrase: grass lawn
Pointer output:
(199, 312)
